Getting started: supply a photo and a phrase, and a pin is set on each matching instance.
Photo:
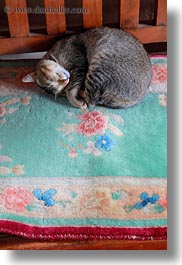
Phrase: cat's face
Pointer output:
(50, 76)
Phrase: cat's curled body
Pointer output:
(109, 65)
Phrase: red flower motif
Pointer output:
(159, 73)
(2, 111)
(73, 153)
(163, 202)
(92, 123)
(16, 199)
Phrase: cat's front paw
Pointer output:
(83, 105)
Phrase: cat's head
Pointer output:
(50, 76)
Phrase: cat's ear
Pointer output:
(53, 58)
(30, 78)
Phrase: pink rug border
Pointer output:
(83, 233)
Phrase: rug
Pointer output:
(65, 174)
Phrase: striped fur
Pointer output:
(109, 66)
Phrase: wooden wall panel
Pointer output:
(149, 34)
(21, 40)
(93, 18)
(161, 13)
(17, 19)
(27, 44)
(55, 20)
(129, 13)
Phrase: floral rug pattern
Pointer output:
(94, 123)
(69, 174)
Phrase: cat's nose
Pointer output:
(67, 74)
(62, 71)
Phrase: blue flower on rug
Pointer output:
(45, 196)
(145, 200)
(104, 142)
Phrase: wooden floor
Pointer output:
(8, 242)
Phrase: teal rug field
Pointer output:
(69, 174)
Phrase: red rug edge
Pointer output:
(83, 233)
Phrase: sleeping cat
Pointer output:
(102, 66)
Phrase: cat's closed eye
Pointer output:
(50, 75)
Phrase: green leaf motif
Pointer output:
(119, 195)
(159, 208)
(35, 207)
(73, 194)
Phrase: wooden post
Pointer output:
(17, 18)
(93, 16)
(55, 16)
(129, 13)
(161, 13)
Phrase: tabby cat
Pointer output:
(102, 66)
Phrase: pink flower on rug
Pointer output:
(95, 200)
(163, 202)
(16, 199)
(18, 170)
(2, 111)
(92, 123)
(25, 101)
(159, 73)
(73, 153)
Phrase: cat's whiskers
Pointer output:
(52, 89)
(48, 89)
(55, 96)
